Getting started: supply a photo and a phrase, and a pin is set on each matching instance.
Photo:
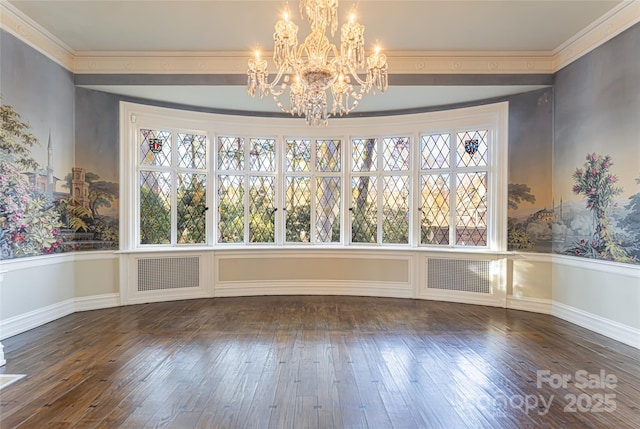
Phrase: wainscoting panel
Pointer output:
(317, 272)
(468, 278)
(165, 277)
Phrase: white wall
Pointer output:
(37, 290)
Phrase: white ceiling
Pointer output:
(165, 27)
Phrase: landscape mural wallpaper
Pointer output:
(49, 202)
(597, 153)
(530, 202)
(574, 158)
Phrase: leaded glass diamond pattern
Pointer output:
(262, 209)
(328, 155)
(298, 155)
(364, 154)
(192, 199)
(471, 209)
(396, 154)
(364, 209)
(298, 209)
(262, 156)
(395, 209)
(328, 209)
(155, 207)
(436, 150)
(192, 151)
(231, 153)
(434, 221)
(160, 159)
(473, 150)
(230, 209)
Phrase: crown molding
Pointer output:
(15, 22)
(617, 20)
(470, 63)
(232, 63)
(145, 63)
(608, 26)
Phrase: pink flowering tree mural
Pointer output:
(598, 185)
(28, 223)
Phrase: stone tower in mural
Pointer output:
(79, 187)
(50, 187)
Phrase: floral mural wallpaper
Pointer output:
(597, 153)
(48, 204)
(574, 159)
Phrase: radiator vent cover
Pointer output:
(168, 273)
(459, 274)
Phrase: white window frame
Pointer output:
(379, 174)
(493, 117)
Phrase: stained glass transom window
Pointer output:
(148, 157)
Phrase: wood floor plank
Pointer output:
(313, 361)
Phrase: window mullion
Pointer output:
(379, 175)
(174, 187)
(246, 180)
(453, 190)
(211, 184)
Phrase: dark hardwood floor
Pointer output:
(317, 362)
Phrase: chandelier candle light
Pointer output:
(309, 70)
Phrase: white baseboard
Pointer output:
(614, 330)
(461, 297)
(2, 360)
(166, 295)
(32, 319)
(97, 302)
(24, 322)
(609, 328)
(387, 290)
(535, 305)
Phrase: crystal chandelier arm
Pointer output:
(352, 41)
(285, 39)
(376, 73)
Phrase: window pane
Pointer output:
(262, 190)
(436, 150)
(192, 206)
(471, 209)
(396, 154)
(328, 209)
(147, 157)
(231, 153)
(434, 221)
(262, 155)
(472, 149)
(230, 209)
(364, 154)
(364, 208)
(298, 155)
(192, 151)
(298, 209)
(395, 209)
(155, 207)
(328, 155)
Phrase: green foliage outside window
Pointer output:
(155, 218)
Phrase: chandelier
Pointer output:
(307, 72)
